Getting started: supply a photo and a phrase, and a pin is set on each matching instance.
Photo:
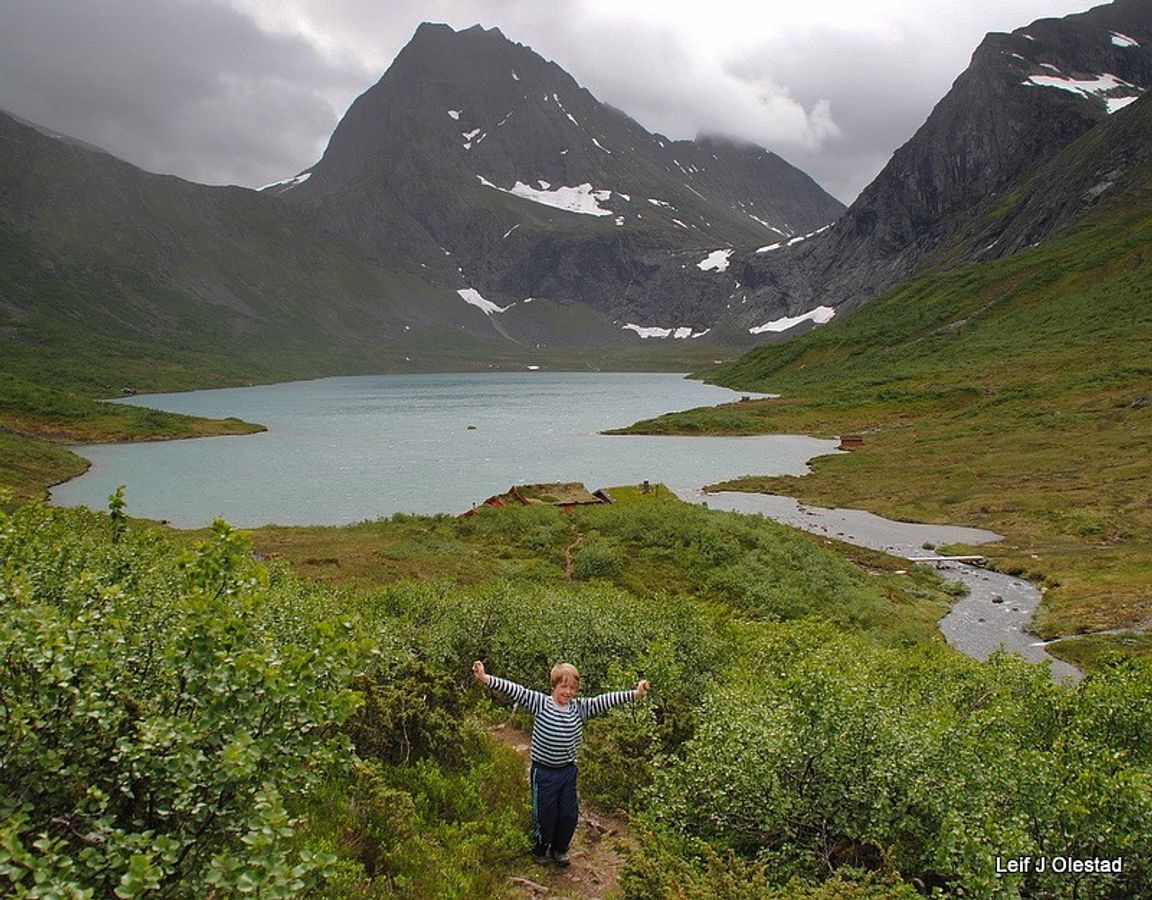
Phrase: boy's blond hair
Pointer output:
(565, 672)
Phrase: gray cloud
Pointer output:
(192, 89)
(248, 91)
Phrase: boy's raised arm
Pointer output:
(600, 704)
(531, 700)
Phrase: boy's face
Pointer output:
(565, 690)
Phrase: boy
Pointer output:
(557, 729)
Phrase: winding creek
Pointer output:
(993, 615)
(342, 450)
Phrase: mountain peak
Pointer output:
(438, 34)
(486, 169)
(1025, 96)
(713, 139)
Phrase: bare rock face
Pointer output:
(479, 165)
(1025, 97)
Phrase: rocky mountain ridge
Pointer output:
(477, 203)
(1024, 98)
(493, 173)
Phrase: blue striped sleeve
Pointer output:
(597, 706)
(533, 701)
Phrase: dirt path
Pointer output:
(568, 551)
(596, 850)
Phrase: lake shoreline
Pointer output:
(358, 448)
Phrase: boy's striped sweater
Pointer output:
(556, 731)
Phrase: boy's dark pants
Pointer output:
(554, 807)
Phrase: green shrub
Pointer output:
(597, 559)
(693, 870)
(154, 723)
(410, 711)
(420, 830)
(829, 753)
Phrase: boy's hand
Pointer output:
(642, 688)
(478, 672)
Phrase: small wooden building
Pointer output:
(566, 495)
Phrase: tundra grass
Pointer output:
(651, 545)
(1014, 396)
(25, 465)
(1093, 653)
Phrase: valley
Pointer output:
(289, 710)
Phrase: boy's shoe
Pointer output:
(540, 856)
(561, 859)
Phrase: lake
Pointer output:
(342, 450)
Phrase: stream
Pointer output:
(993, 615)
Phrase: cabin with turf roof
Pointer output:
(567, 495)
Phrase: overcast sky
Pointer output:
(248, 91)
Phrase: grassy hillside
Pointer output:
(1014, 396)
(36, 420)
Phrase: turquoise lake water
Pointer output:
(341, 450)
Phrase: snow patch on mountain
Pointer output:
(581, 198)
(716, 261)
(680, 333)
(472, 297)
(1117, 103)
(795, 240)
(1122, 40)
(1099, 88)
(290, 183)
(765, 224)
(820, 315)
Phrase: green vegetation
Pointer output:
(827, 754)
(156, 723)
(1013, 396)
(180, 719)
(30, 466)
(650, 545)
(1093, 652)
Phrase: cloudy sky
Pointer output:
(248, 91)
